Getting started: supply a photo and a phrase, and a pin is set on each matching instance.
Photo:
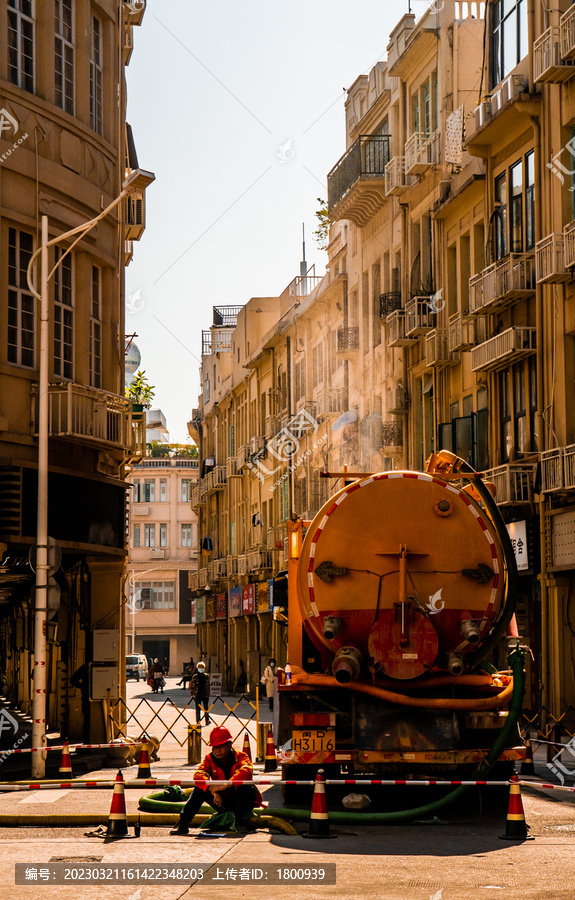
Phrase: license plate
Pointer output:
(313, 741)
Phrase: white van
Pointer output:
(136, 666)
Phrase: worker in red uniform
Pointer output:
(235, 793)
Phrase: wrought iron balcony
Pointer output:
(388, 303)
(226, 316)
(355, 185)
(348, 340)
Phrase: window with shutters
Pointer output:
(96, 77)
(96, 329)
(64, 55)
(318, 364)
(21, 310)
(63, 315)
(21, 43)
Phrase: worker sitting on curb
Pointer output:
(235, 794)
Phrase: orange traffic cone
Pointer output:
(65, 761)
(516, 827)
(527, 766)
(271, 763)
(117, 819)
(319, 821)
(144, 770)
(246, 748)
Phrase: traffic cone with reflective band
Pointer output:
(144, 770)
(527, 766)
(516, 827)
(117, 819)
(65, 761)
(246, 748)
(271, 763)
(319, 821)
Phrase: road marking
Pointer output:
(44, 796)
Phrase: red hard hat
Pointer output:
(219, 736)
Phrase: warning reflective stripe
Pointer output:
(452, 489)
(323, 523)
(367, 481)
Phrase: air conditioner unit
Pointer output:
(511, 87)
(258, 444)
(156, 554)
(498, 98)
(482, 113)
(232, 565)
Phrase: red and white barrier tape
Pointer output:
(70, 747)
(164, 782)
(551, 787)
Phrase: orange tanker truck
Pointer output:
(401, 601)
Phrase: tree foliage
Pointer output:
(140, 390)
(321, 234)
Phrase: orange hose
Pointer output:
(480, 703)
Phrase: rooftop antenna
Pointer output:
(303, 263)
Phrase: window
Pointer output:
(516, 207)
(299, 379)
(505, 414)
(158, 594)
(508, 37)
(185, 535)
(501, 216)
(63, 316)
(21, 318)
(530, 200)
(163, 490)
(96, 76)
(149, 492)
(137, 491)
(21, 43)
(426, 97)
(149, 535)
(136, 536)
(532, 367)
(317, 364)
(185, 488)
(415, 112)
(520, 411)
(207, 389)
(64, 56)
(96, 330)
(163, 534)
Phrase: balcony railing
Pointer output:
(437, 352)
(348, 339)
(419, 317)
(226, 316)
(302, 285)
(388, 303)
(329, 402)
(548, 65)
(569, 244)
(513, 482)
(558, 469)
(216, 341)
(461, 332)
(502, 283)
(498, 351)
(366, 158)
(391, 434)
(396, 180)
(85, 414)
(259, 559)
(567, 30)
(421, 152)
(396, 336)
(549, 260)
(276, 536)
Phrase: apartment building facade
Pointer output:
(444, 319)
(66, 152)
(163, 555)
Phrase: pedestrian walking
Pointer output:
(236, 794)
(200, 691)
(268, 679)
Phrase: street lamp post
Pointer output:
(137, 180)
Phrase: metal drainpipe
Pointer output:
(290, 414)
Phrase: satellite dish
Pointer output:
(54, 556)
(133, 359)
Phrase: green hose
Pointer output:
(516, 660)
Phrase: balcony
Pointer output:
(232, 468)
(197, 498)
(276, 537)
(392, 437)
(193, 581)
(569, 245)
(216, 479)
(217, 569)
(303, 285)
(548, 64)
(419, 318)
(272, 425)
(549, 260)
(396, 335)
(85, 414)
(513, 483)
(216, 341)
(499, 351)
(388, 303)
(348, 342)
(135, 216)
(329, 403)
(231, 565)
(437, 352)
(225, 316)
(202, 578)
(462, 332)
(259, 559)
(396, 179)
(242, 564)
(558, 469)
(567, 32)
(243, 457)
(397, 400)
(421, 152)
(356, 184)
(502, 283)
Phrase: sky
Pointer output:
(238, 109)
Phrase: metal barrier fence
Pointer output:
(147, 718)
(542, 727)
